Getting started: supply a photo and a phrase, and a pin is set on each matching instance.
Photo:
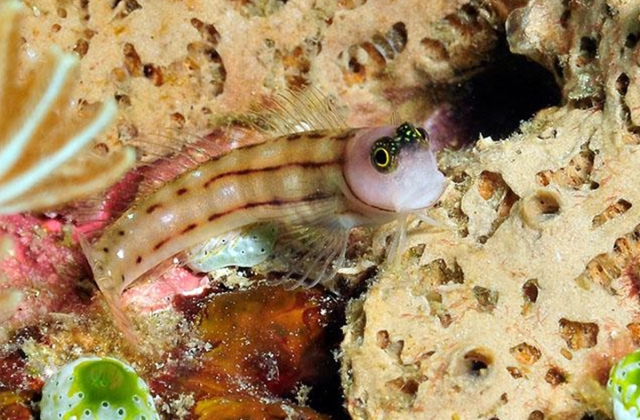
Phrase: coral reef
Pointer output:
(18, 390)
(207, 61)
(259, 353)
(39, 271)
(266, 344)
(527, 292)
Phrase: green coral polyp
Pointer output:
(624, 387)
(97, 388)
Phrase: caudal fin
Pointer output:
(109, 289)
(120, 319)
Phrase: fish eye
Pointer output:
(383, 153)
(381, 158)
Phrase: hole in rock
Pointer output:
(495, 102)
(478, 362)
(536, 415)
(540, 207)
(595, 415)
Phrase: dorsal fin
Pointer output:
(296, 111)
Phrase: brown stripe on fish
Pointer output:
(294, 136)
(345, 136)
(297, 147)
(294, 147)
(317, 135)
(288, 180)
(277, 202)
(160, 244)
(189, 228)
(247, 206)
(303, 165)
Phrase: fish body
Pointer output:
(323, 180)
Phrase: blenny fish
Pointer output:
(314, 176)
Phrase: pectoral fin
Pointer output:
(311, 254)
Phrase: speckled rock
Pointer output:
(517, 304)
(179, 66)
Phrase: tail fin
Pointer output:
(109, 289)
(120, 319)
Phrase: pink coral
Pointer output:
(39, 259)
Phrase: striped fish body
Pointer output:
(297, 179)
(315, 177)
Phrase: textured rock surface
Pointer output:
(518, 304)
(175, 65)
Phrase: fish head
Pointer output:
(393, 169)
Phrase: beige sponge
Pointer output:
(518, 302)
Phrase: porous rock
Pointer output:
(183, 66)
(518, 302)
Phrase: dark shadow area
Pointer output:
(494, 102)
(497, 100)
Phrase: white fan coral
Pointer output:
(45, 146)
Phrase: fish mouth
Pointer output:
(425, 197)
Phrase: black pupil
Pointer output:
(381, 157)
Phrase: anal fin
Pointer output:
(312, 254)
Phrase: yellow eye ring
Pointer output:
(381, 158)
